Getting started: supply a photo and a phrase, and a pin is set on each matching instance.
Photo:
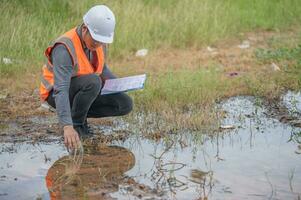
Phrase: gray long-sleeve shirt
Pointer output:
(63, 69)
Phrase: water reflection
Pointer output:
(92, 175)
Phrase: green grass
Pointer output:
(182, 99)
(289, 58)
(183, 87)
(284, 53)
(28, 26)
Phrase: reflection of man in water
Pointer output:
(93, 177)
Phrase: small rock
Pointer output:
(227, 127)
(3, 96)
(141, 187)
(244, 45)
(275, 67)
(141, 53)
(7, 61)
(210, 49)
(232, 74)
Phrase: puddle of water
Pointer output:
(259, 159)
(23, 168)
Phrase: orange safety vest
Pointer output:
(81, 63)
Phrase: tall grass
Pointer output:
(29, 25)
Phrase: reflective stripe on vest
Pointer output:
(48, 65)
(47, 85)
(69, 44)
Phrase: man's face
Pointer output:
(91, 44)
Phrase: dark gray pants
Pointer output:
(86, 101)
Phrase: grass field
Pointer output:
(28, 26)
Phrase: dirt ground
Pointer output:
(226, 53)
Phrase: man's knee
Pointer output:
(92, 83)
(127, 105)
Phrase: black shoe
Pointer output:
(88, 128)
(82, 131)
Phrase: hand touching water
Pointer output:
(71, 138)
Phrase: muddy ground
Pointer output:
(40, 123)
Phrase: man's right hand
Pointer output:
(71, 138)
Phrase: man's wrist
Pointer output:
(65, 127)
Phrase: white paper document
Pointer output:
(123, 84)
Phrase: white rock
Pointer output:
(227, 127)
(7, 61)
(3, 96)
(275, 67)
(210, 49)
(141, 52)
(244, 45)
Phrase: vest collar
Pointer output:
(79, 33)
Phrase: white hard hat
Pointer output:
(100, 21)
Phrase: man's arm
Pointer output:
(106, 73)
(63, 69)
